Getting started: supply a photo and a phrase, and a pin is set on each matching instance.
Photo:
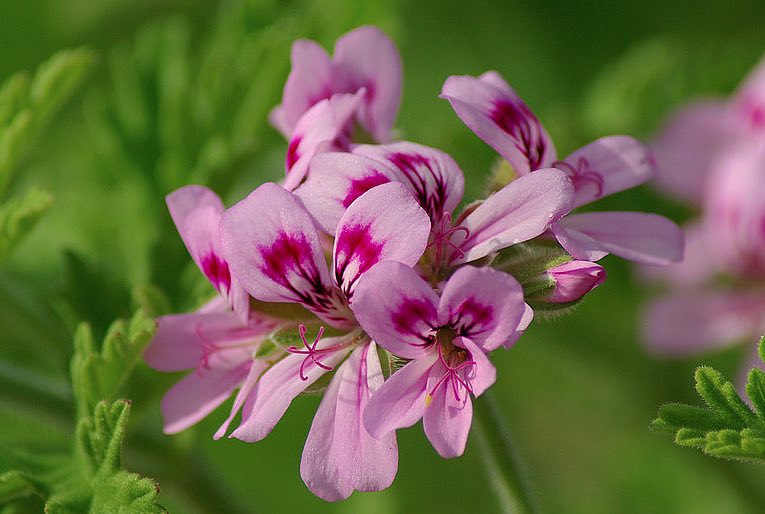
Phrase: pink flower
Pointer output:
(573, 280)
(446, 338)
(276, 252)
(491, 109)
(364, 59)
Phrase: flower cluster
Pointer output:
(712, 154)
(356, 277)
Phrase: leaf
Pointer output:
(98, 373)
(727, 427)
(18, 215)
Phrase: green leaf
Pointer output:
(18, 215)
(99, 373)
(727, 427)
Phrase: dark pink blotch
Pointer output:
(361, 186)
(410, 313)
(355, 243)
(417, 168)
(470, 317)
(517, 120)
(217, 272)
(292, 152)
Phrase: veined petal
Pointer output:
(279, 385)
(340, 456)
(520, 211)
(433, 177)
(309, 81)
(367, 58)
(606, 166)
(196, 212)
(636, 236)
(397, 308)
(274, 249)
(482, 304)
(483, 374)
(491, 109)
(324, 127)
(337, 179)
(197, 395)
(256, 369)
(400, 401)
(385, 223)
(447, 419)
(693, 322)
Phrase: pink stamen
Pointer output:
(311, 352)
(452, 374)
(442, 237)
(582, 174)
(208, 349)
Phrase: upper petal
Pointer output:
(520, 211)
(606, 166)
(433, 177)
(274, 249)
(491, 109)
(385, 223)
(366, 57)
(397, 308)
(336, 180)
(340, 456)
(482, 304)
(637, 236)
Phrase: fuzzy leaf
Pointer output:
(18, 215)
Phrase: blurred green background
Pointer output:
(180, 92)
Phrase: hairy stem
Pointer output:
(502, 464)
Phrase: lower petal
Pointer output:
(447, 422)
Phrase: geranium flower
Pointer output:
(491, 109)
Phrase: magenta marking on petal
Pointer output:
(582, 175)
(412, 311)
(417, 168)
(470, 314)
(452, 374)
(292, 152)
(216, 270)
(361, 186)
(517, 120)
(355, 244)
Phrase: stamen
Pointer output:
(442, 237)
(582, 174)
(452, 375)
(311, 352)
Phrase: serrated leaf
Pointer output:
(721, 396)
(677, 415)
(18, 215)
(755, 390)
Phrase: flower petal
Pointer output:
(279, 385)
(256, 370)
(309, 81)
(606, 166)
(447, 419)
(520, 211)
(749, 102)
(275, 251)
(196, 212)
(433, 177)
(636, 236)
(336, 180)
(197, 395)
(339, 455)
(400, 401)
(367, 58)
(482, 304)
(693, 322)
(372, 230)
(526, 319)
(397, 308)
(484, 374)
(491, 109)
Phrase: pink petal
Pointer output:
(687, 146)
(446, 419)
(279, 385)
(700, 261)
(366, 57)
(400, 401)
(491, 109)
(526, 319)
(256, 370)
(339, 455)
(197, 395)
(274, 249)
(483, 375)
(385, 223)
(693, 322)
(324, 127)
(520, 211)
(433, 177)
(196, 212)
(482, 304)
(749, 102)
(636, 236)
(309, 81)
(606, 166)
(397, 308)
(337, 179)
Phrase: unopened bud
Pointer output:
(573, 280)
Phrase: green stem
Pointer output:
(498, 452)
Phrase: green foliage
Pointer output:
(19, 214)
(727, 428)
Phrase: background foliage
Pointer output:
(173, 91)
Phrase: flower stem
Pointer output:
(498, 452)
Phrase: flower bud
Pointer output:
(573, 280)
